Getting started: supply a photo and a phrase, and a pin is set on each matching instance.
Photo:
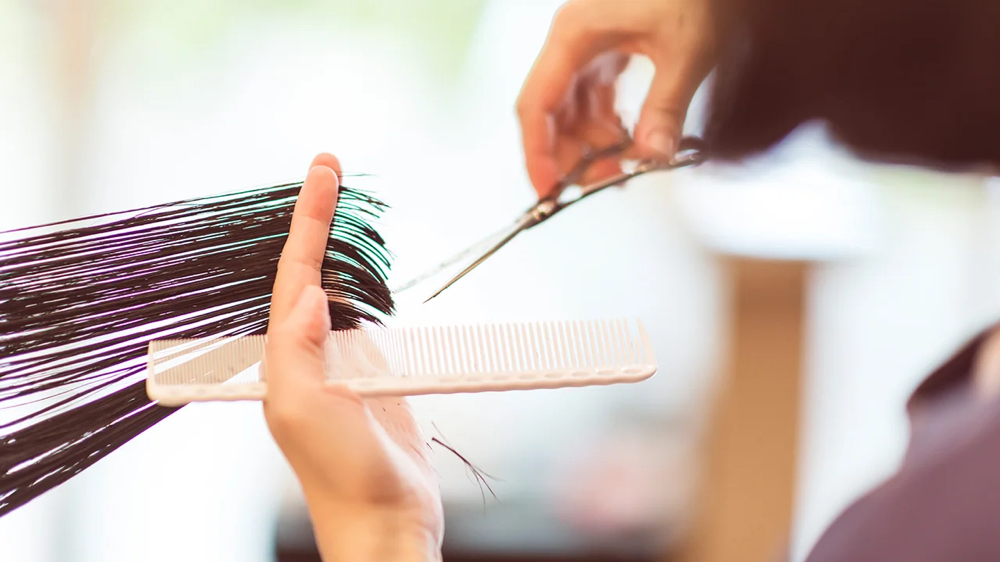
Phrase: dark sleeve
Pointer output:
(944, 502)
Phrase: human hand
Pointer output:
(567, 104)
(363, 464)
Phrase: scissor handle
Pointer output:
(682, 157)
(691, 151)
(576, 173)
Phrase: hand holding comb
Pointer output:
(81, 300)
(363, 464)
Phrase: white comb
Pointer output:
(411, 361)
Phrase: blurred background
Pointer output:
(793, 302)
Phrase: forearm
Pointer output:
(370, 535)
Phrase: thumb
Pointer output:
(658, 131)
(309, 321)
(295, 348)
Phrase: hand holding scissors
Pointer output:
(691, 153)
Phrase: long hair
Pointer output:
(80, 301)
(898, 81)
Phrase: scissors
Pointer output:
(690, 153)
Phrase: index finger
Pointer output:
(543, 91)
(302, 256)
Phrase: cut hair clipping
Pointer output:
(379, 361)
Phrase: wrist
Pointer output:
(365, 533)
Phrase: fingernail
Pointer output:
(661, 143)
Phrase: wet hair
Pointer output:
(80, 301)
(898, 81)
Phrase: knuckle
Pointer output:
(569, 23)
(665, 107)
(311, 262)
(567, 15)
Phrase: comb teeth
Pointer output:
(422, 360)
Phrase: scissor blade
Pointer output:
(475, 248)
(512, 232)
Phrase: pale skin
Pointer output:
(363, 464)
(567, 103)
